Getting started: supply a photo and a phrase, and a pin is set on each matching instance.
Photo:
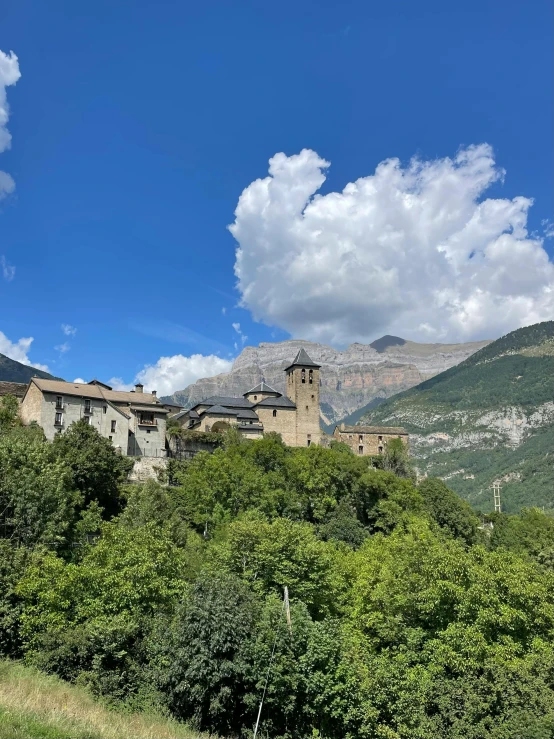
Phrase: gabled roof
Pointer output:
(303, 360)
(84, 390)
(102, 384)
(226, 402)
(263, 387)
(280, 402)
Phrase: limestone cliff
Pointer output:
(350, 379)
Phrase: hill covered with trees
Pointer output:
(12, 371)
(491, 417)
(407, 620)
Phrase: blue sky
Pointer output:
(137, 125)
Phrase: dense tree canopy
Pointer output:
(407, 618)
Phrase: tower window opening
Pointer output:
(303, 373)
(311, 377)
(360, 450)
(274, 413)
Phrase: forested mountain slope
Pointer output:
(491, 417)
(12, 371)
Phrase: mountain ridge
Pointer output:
(13, 371)
(350, 378)
(490, 417)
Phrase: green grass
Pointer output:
(38, 706)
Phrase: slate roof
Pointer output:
(219, 410)
(280, 402)
(226, 402)
(263, 387)
(247, 414)
(374, 430)
(303, 360)
(13, 388)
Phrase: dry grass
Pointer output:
(38, 706)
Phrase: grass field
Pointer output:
(38, 706)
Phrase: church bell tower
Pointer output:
(303, 390)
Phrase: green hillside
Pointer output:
(491, 417)
(38, 706)
(12, 371)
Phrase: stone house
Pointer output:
(133, 421)
(263, 409)
(369, 440)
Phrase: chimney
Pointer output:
(139, 388)
(153, 392)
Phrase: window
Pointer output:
(147, 431)
(255, 397)
(87, 405)
(59, 402)
(86, 419)
(311, 377)
(303, 373)
(380, 438)
(113, 427)
(309, 440)
(360, 450)
(105, 409)
(313, 397)
(110, 438)
(360, 438)
(58, 419)
(274, 413)
(380, 449)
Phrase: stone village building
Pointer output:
(263, 409)
(134, 421)
(369, 440)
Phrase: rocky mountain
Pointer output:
(350, 379)
(490, 417)
(12, 371)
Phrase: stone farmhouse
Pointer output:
(134, 421)
(263, 409)
(369, 440)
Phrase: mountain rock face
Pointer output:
(489, 418)
(12, 371)
(350, 379)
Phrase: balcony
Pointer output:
(87, 410)
(58, 423)
(147, 421)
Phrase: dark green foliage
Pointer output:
(9, 408)
(98, 470)
(37, 497)
(202, 658)
(407, 619)
(12, 371)
(451, 513)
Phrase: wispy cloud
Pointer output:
(9, 74)
(63, 348)
(68, 329)
(177, 334)
(243, 337)
(8, 270)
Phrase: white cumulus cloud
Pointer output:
(175, 373)
(414, 250)
(19, 350)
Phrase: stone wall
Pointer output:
(367, 443)
(148, 468)
(305, 395)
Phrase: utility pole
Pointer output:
(496, 494)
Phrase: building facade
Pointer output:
(263, 409)
(133, 421)
(369, 440)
